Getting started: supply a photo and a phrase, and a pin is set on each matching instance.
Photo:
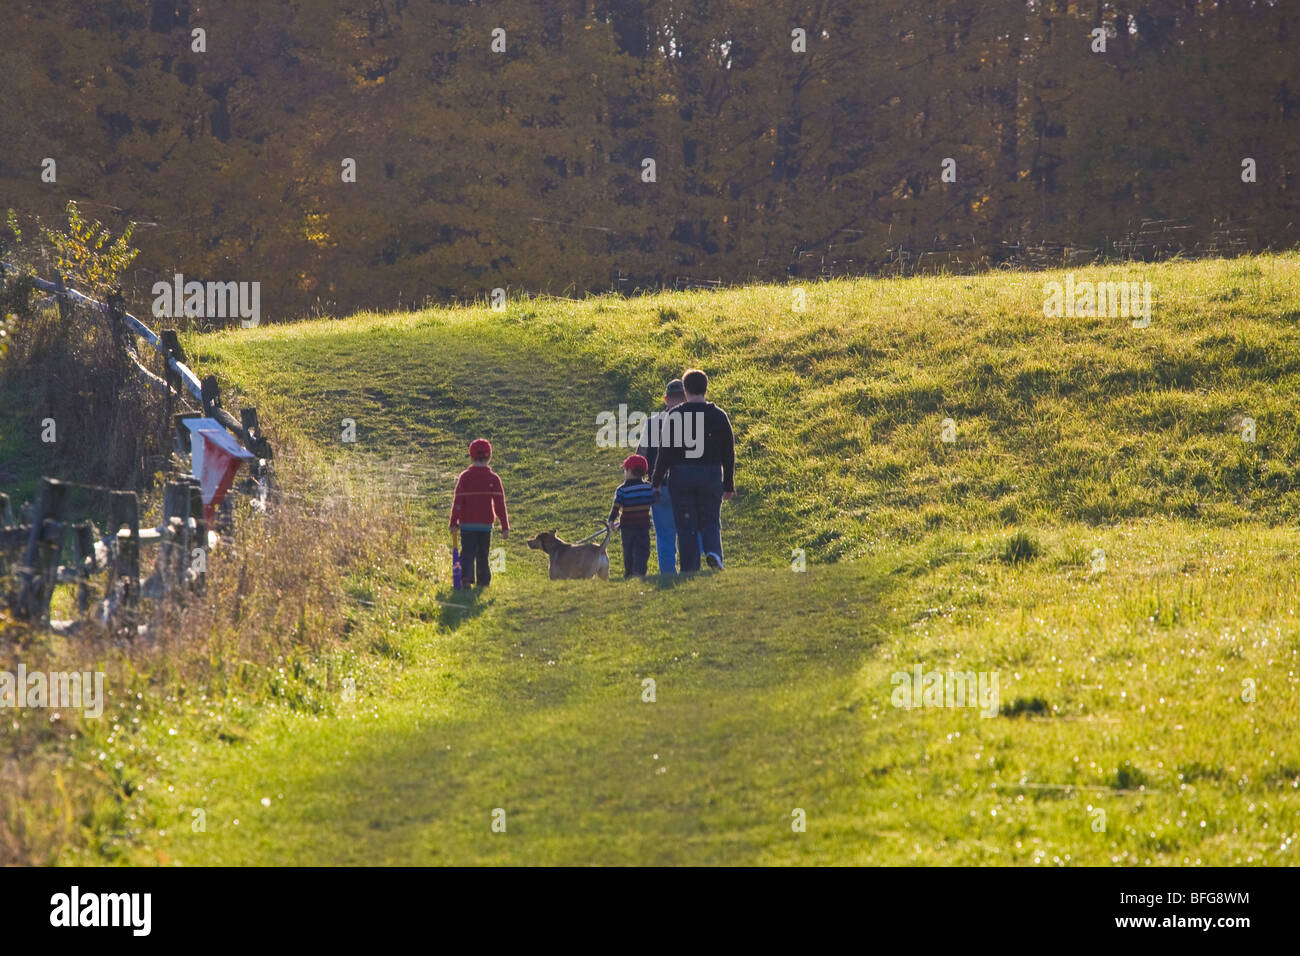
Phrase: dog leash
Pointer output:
(606, 530)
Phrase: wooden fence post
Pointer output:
(51, 550)
(171, 346)
(176, 533)
(211, 395)
(115, 306)
(124, 509)
(200, 533)
(84, 549)
(61, 293)
(44, 540)
(181, 434)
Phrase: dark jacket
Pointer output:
(719, 443)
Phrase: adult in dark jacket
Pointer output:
(662, 509)
(698, 458)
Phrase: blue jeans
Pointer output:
(697, 510)
(666, 531)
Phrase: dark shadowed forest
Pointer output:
(388, 152)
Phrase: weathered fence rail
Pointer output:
(71, 296)
(53, 547)
(179, 374)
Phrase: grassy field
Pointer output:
(1098, 534)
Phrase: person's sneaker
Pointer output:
(715, 561)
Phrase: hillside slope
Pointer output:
(839, 410)
(1098, 535)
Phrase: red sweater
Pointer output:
(478, 495)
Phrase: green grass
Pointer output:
(1098, 534)
(23, 457)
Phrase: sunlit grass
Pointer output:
(1099, 535)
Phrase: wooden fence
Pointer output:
(52, 546)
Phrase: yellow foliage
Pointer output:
(86, 254)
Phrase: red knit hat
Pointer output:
(636, 464)
(480, 448)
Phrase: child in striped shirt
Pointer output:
(633, 499)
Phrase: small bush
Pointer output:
(75, 368)
(1128, 777)
(1022, 706)
(1020, 549)
(87, 255)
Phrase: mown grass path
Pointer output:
(537, 708)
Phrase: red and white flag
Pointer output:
(215, 456)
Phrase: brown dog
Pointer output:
(574, 560)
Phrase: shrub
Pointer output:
(1020, 548)
(86, 254)
(75, 368)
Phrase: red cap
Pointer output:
(636, 463)
(480, 448)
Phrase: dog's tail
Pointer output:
(609, 533)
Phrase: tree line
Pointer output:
(371, 153)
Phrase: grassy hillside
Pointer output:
(838, 409)
(1098, 534)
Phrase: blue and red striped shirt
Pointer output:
(633, 498)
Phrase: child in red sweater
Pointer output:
(479, 500)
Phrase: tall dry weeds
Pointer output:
(275, 597)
